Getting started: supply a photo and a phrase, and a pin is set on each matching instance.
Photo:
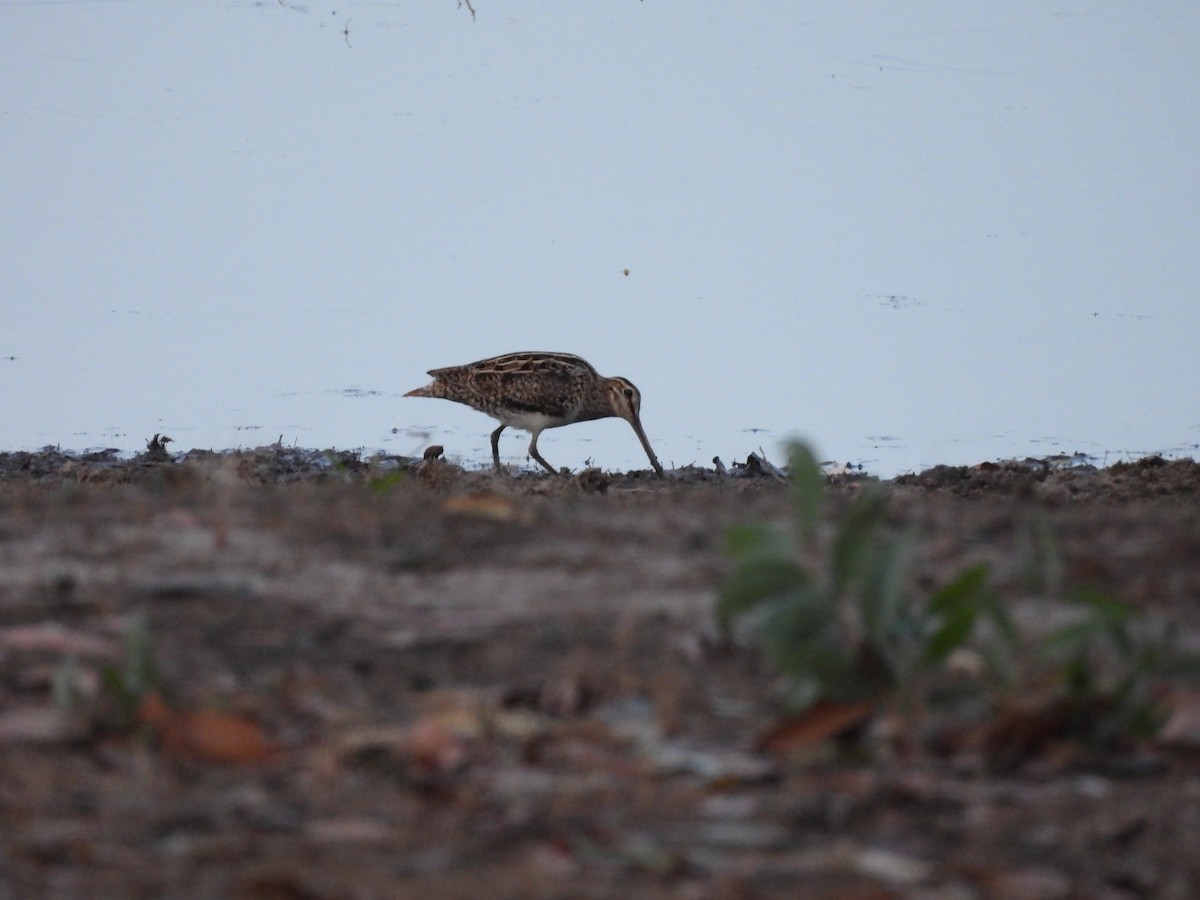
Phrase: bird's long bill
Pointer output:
(637, 427)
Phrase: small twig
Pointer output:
(470, 8)
(346, 33)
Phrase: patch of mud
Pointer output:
(388, 676)
(1151, 477)
(1053, 478)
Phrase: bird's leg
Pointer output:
(533, 452)
(496, 446)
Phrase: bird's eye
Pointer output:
(629, 393)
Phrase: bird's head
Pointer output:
(626, 401)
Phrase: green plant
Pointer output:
(837, 617)
(384, 483)
(1037, 554)
(127, 685)
(1105, 666)
(834, 610)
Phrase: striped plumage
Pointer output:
(538, 390)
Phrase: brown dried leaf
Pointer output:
(435, 746)
(484, 505)
(1183, 718)
(208, 735)
(820, 722)
(1017, 735)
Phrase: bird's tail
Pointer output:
(428, 391)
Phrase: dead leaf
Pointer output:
(435, 746)
(1016, 735)
(208, 735)
(522, 726)
(1182, 726)
(485, 505)
(568, 695)
(348, 830)
(820, 722)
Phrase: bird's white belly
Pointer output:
(526, 420)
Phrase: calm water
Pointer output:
(915, 236)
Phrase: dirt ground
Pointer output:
(398, 679)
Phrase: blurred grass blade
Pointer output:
(952, 634)
(756, 582)
(856, 537)
(141, 674)
(1000, 617)
(1074, 637)
(882, 601)
(757, 541)
(964, 590)
(808, 489)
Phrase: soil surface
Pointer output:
(291, 674)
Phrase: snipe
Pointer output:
(535, 391)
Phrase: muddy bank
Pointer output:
(1053, 478)
(391, 677)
